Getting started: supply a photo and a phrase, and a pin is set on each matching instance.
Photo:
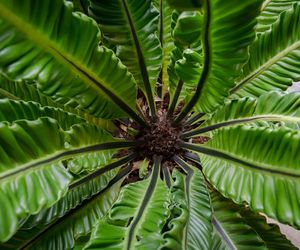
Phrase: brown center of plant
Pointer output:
(160, 138)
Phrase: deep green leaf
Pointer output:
(190, 227)
(270, 11)
(274, 61)
(63, 233)
(283, 108)
(11, 111)
(31, 174)
(136, 219)
(59, 56)
(270, 233)
(21, 90)
(231, 230)
(188, 28)
(257, 165)
(166, 40)
(231, 29)
(133, 30)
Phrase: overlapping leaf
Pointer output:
(34, 45)
(274, 61)
(11, 111)
(166, 40)
(64, 233)
(136, 219)
(231, 230)
(231, 30)
(270, 11)
(21, 90)
(190, 227)
(185, 62)
(281, 107)
(257, 165)
(133, 30)
(31, 176)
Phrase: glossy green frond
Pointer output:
(11, 111)
(78, 223)
(274, 61)
(257, 165)
(230, 31)
(270, 11)
(166, 40)
(136, 219)
(32, 175)
(185, 62)
(78, 193)
(22, 90)
(282, 108)
(134, 32)
(231, 230)
(36, 46)
(269, 233)
(190, 227)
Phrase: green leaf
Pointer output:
(270, 233)
(63, 233)
(257, 165)
(188, 28)
(21, 90)
(231, 230)
(230, 27)
(282, 107)
(274, 61)
(17, 90)
(188, 70)
(190, 227)
(138, 47)
(59, 57)
(270, 11)
(166, 40)
(11, 111)
(136, 219)
(31, 174)
(186, 5)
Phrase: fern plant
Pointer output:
(139, 124)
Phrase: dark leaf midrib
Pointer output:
(72, 152)
(148, 194)
(141, 60)
(86, 202)
(224, 156)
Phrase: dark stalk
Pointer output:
(70, 153)
(175, 98)
(141, 62)
(105, 169)
(150, 190)
(167, 176)
(227, 157)
(206, 66)
(49, 228)
(194, 118)
(192, 157)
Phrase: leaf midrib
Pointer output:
(59, 155)
(44, 42)
(140, 58)
(222, 233)
(148, 194)
(246, 119)
(265, 66)
(217, 153)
